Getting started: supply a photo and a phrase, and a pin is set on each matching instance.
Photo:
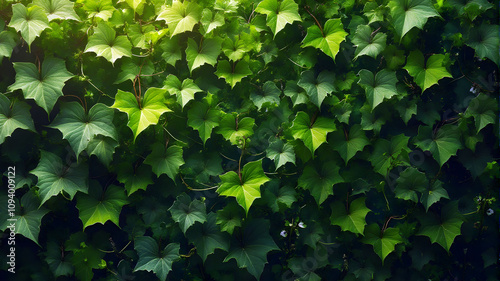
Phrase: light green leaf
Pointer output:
(136, 5)
(312, 133)
(211, 21)
(151, 258)
(327, 40)
(245, 186)
(433, 194)
(31, 21)
(407, 14)
(148, 112)
(353, 219)
(349, 144)
(184, 91)
(317, 88)
(171, 50)
(100, 206)
(206, 53)
(232, 72)
(383, 242)
(79, 128)
(374, 12)
(203, 119)
(485, 40)
(180, 17)
(7, 44)
(426, 74)
(269, 95)
(44, 86)
(106, 44)
(442, 144)
(279, 14)
(379, 86)
(233, 130)
(367, 43)
(483, 109)
(187, 212)
(409, 182)
(58, 9)
(280, 153)
(320, 182)
(99, 8)
(165, 161)
(16, 117)
(54, 177)
(102, 147)
(207, 237)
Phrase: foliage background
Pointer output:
(223, 140)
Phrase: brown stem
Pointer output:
(317, 22)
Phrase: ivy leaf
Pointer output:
(106, 44)
(207, 237)
(383, 242)
(80, 128)
(44, 86)
(180, 17)
(148, 112)
(211, 21)
(206, 53)
(203, 119)
(229, 217)
(11, 119)
(320, 182)
(409, 182)
(353, 219)
(296, 93)
(407, 14)
(7, 44)
(99, 8)
(280, 153)
(58, 260)
(442, 229)
(482, 108)
(58, 9)
(374, 12)
(232, 73)
(171, 50)
(102, 147)
(317, 89)
(151, 258)
(349, 144)
(184, 91)
(30, 21)
(426, 74)
(366, 43)
(279, 14)
(270, 94)
(278, 198)
(312, 133)
(55, 177)
(233, 130)
(250, 250)
(187, 212)
(434, 193)
(245, 186)
(379, 86)
(327, 40)
(484, 39)
(442, 144)
(29, 218)
(136, 179)
(165, 161)
(386, 153)
(136, 5)
(100, 206)
(130, 68)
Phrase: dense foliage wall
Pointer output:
(249, 140)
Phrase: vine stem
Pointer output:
(196, 189)
(315, 19)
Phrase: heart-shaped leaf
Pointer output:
(367, 42)
(206, 53)
(279, 14)
(151, 258)
(165, 161)
(106, 44)
(311, 132)
(383, 242)
(184, 90)
(427, 73)
(16, 117)
(207, 237)
(187, 212)
(379, 86)
(180, 16)
(232, 72)
(58, 9)
(352, 219)
(327, 39)
(30, 21)
(407, 14)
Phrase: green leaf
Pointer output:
(442, 144)
(30, 21)
(203, 119)
(280, 153)
(407, 14)
(134, 178)
(58, 260)
(54, 177)
(148, 112)
(388, 153)
(16, 117)
(44, 86)
(320, 182)
(442, 229)
(233, 130)
(106, 44)
(102, 147)
(100, 206)
(136, 5)
(171, 50)
(131, 68)
(383, 242)
(206, 53)
(484, 39)
(211, 21)
(379, 86)
(165, 161)
(426, 74)
(349, 144)
(250, 250)
(352, 219)
(207, 237)
(374, 12)
(296, 93)
(277, 197)
(58, 9)
(29, 218)
(232, 73)
(187, 212)
(367, 43)
(327, 40)
(312, 133)
(79, 128)
(482, 108)
(184, 90)
(317, 89)
(7, 44)
(180, 17)
(99, 8)
(151, 258)
(229, 217)
(245, 186)
(433, 194)
(409, 182)
(269, 95)
(279, 14)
